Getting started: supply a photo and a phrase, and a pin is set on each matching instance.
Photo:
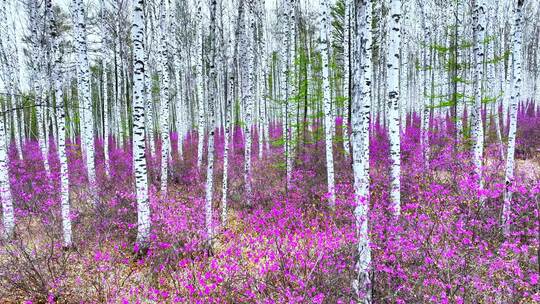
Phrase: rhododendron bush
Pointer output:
(287, 246)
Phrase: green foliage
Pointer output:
(420, 67)
(458, 79)
(340, 101)
(305, 81)
(236, 109)
(491, 99)
(498, 59)
(280, 165)
(450, 53)
(278, 142)
(337, 12)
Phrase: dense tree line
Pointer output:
(129, 74)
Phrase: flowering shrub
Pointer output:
(288, 247)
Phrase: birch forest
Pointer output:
(270, 151)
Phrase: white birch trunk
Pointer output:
(105, 61)
(424, 115)
(149, 105)
(346, 74)
(8, 216)
(139, 160)
(61, 119)
(248, 70)
(328, 115)
(517, 83)
(228, 102)
(291, 84)
(164, 99)
(199, 87)
(479, 27)
(179, 110)
(361, 103)
(85, 98)
(265, 62)
(284, 89)
(211, 103)
(38, 84)
(258, 102)
(394, 101)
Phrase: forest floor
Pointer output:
(287, 246)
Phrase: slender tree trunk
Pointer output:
(38, 83)
(64, 181)
(164, 99)
(426, 92)
(8, 216)
(228, 102)
(104, 64)
(328, 115)
(394, 101)
(212, 124)
(149, 105)
(139, 146)
(479, 25)
(61, 118)
(284, 88)
(84, 93)
(199, 87)
(517, 83)
(361, 101)
(346, 74)
(248, 97)
(178, 78)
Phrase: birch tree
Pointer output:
(8, 216)
(38, 81)
(248, 96)
(212, 127)
(426, 92)
(517, 42)
(328, 115)
(346, 73)
(149, 104)
(9, 62)
(284, 86)
(83, 68)
(479, 26)
(139, 146)
(393, 53)
(61, 119)
(104, 64)
(164, 97)
(291, 104)
(361, 103)
(199, 85)
(227, 135)
(177, 57)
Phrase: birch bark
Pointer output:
(139, 146)
(516, 94)
(361, 104)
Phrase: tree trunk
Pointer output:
(517, 83)
(328, 115)
(84, 94)
(479, 25)
(164, 99)
(361, 102)
(212, 90)
(394, 100)
(199, 87)
(139, 146)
